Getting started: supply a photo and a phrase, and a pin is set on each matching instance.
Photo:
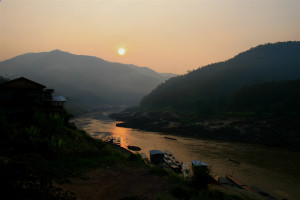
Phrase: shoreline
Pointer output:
(236, 154)
(267, 132)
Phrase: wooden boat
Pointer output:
(133, 148)
(170, 138)
(145, 158)
(170, 156)
(107, 139)
(186, 171)
(239, 183)
(171, 161)
(116, 141)
(171, 164)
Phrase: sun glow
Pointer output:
(121, 51)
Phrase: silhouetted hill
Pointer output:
(85, 80)
(213, 83)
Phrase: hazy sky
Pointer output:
(165, 35)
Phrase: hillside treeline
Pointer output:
(206, 89)
(266, 99)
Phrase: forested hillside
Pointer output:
(217, 82)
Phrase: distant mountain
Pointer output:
(214, 82)
(85, 80)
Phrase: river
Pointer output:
(273, 170)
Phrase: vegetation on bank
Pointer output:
(214, 84)
(267, 114)
(44, 150)
(269, 99)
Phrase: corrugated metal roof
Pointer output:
(59, 98)
(153, 152)
(199, 163)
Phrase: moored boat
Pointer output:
(145, 158)
(186, 171)
(170, 138)
(239, 183)
(171, 161)
(170, 156)
(156, 157)
(133, 148)
(118, 142)
(107, 139)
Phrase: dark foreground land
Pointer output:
(43, 156)
(125, 182)
(119, 182)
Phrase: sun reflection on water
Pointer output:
(123, 133)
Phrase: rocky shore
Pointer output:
(281, 132)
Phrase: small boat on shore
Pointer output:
(107, 139)
(116, 141)
(170, 156)
(186, 171)
(239, 183)
(133, 148)
(145, 158)
(171, 161)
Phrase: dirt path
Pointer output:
(117, 183)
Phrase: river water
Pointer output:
(273, 170)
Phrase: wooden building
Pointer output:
(23, 95)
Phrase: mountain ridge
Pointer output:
(85, 79)
(279, 61)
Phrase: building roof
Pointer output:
(153, 152)
(22, 83)
(59, 98)
(197, 163)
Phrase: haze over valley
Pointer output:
(85, 80)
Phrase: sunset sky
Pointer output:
(164, 35)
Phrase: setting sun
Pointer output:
(121, 51)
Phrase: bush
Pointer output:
(180, 192)
(56, 121)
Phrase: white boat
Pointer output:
(116, 141)
(186, 171)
